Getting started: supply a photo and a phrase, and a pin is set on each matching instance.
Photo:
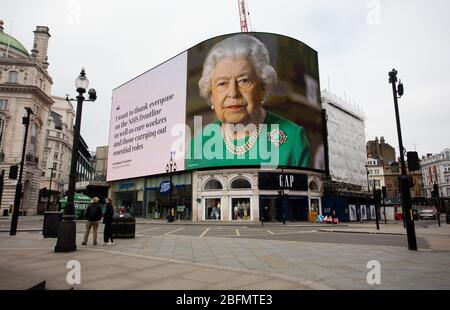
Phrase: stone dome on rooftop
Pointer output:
(6, 39)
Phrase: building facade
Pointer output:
(249, 194)
(375, 171)
(57, 155)
(380, 150)
(24, 82)
(85, 168)
(345, 194)
(346, 141)
(384, 170)
(436, 170)
(100, 163)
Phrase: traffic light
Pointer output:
(413, 161)
(378, 195)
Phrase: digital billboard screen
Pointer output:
(238, 100)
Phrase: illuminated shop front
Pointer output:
(242, 195)
(128, 194)
(160, 199)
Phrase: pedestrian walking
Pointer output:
(107, 220)
(93, 215)
(172, 214)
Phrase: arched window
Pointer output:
(213, 184)
(13, 76)
(313, 186)
(240, 183)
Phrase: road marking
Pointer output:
(204, 233)
(237, 232)
(147, 229)
(278, 234)
(171, 232)
(270, 232)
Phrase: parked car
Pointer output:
(427, 215)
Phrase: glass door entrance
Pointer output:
(295, 209)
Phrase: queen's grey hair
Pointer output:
(238, 46)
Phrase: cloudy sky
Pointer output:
(358, 42)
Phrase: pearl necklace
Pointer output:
(242, 149)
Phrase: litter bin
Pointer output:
(51, 224)
(123, 226)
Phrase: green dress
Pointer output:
(280, 143)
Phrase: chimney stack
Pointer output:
(40, 45)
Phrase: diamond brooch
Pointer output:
(277, 137)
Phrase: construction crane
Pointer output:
(243, 12)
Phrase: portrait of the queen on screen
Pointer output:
(235, 83)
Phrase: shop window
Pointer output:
(241, 209)
(240, 183)
(213, 184)
(315, 205)
(213, 209)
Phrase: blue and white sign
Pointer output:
(165, 188)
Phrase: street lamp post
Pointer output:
(18, 194)
(375, 197)
(2, 183)
(383, 194)
(368, 191)
(171, 167)
(50, 189)
(67, 229)
(367, 171)
(376, 201)
(405, 190)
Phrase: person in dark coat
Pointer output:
(93, 216)
(107, 220)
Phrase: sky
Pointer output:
(358, 43)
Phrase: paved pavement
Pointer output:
(162, 257)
